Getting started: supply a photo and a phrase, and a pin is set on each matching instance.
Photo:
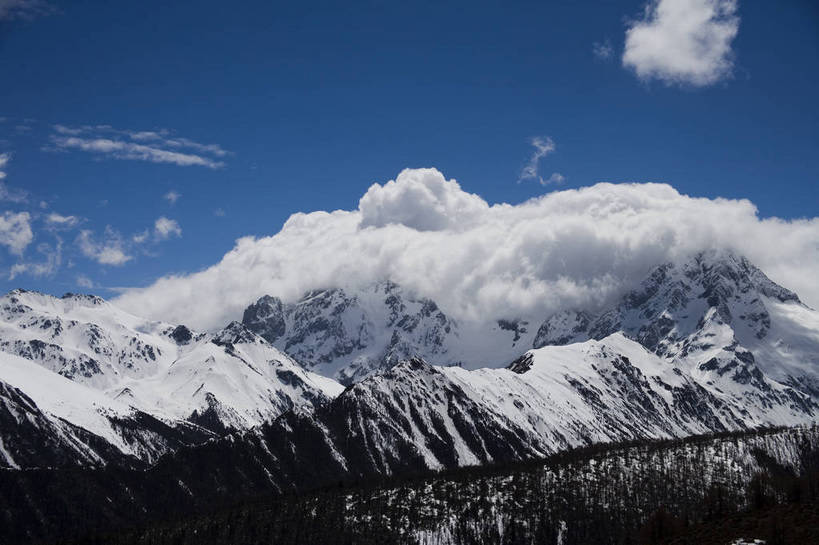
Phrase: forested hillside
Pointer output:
(682, 491)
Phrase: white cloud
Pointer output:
(141, 237)
(85, 282)
(603, 50)
(15, 231)
(128, 150)
(172, 196)
(543, 147)
(420, 199)
(108, 251)
(151, 146)
(219, 213)
(555, 178)
(683, 41)
(165, 228)
(58, 221)
(572, 248)
(9, 193)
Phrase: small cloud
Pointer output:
(219, 213)
(165, 228)
(139, 238)
(683, 41)
(47, 267)
(85, 282)
(172, 196)
(8, 193)
(603, 50)
(15, 231)
(555, 178)
(24, 9)
(58, 221)
(543, 147)
(108, 251)
(147, 135)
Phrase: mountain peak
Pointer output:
(235, 333)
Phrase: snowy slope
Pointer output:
(234, 377)
(82, 337)
(44, 411)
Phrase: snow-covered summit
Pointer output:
(350, 335)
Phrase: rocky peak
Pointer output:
(265, 317)
(350, 334)
(234, 333)
(181, 334)
(686, 310)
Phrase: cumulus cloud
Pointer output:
(172, 196)
(108, 250)
(576, 248)
(165, 228)
(683, 41)
(15, 231)
(151, 146)
(420, 199)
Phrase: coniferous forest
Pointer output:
(709, 489)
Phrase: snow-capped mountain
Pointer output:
(83, 337)
(141, 387)
(230, 379)
(717, 317)
(348, 335)
(707, 345)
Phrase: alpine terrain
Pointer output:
(354, 384)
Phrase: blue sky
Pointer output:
(293, 107)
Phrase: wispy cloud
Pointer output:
(7, 193)
(219, 213)
(543, 147)
(52, 259)
(24, 9)
(603, 50)
(58, 221)
(15, 231)
(151, 146)
(172, 196)
(84, 282)
(109, 250)
(683, 41)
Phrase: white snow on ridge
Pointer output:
(65, 399)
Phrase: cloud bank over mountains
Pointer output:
(576, 248)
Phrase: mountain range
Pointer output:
(351, 383)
